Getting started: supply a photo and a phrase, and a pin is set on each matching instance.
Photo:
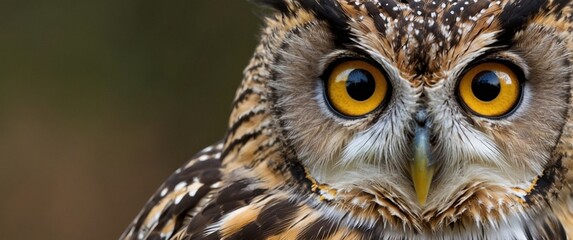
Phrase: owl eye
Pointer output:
(355, 87)
(490, 89)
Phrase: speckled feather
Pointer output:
(266, 179)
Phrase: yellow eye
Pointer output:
(490, 89)
(355, 88)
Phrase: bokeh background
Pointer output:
(100, 100)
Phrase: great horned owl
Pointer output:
(384, 119)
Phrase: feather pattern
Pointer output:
(291, 168)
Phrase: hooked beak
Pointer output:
(421, 167)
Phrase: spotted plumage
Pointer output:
(426, 161)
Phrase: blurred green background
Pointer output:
(100, 100)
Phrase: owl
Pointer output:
(386, 119)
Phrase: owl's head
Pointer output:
(421, 114)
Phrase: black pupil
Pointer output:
(485, 86)
(360, 84)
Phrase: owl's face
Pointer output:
(425, 113)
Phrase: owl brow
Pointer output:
(331, 12)
(516, 14)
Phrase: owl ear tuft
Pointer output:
(278, 5)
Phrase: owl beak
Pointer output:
(421, 167)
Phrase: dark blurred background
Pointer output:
(100, 100)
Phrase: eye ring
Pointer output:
(355, 87)
(491, 89)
